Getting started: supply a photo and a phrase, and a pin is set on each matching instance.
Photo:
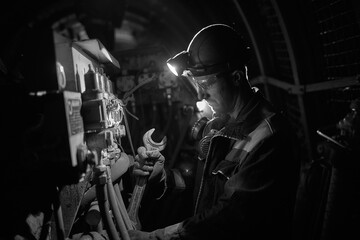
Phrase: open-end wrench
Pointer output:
(140, 185)
(150, 145)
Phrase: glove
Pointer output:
(154, 235)
(149, 163)
(139, 235)
(167, 233)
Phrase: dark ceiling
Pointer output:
(173, 23)
(132, 24)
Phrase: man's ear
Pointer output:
(238, 76)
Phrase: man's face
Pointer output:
(218, 91)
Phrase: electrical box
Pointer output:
(58, 138)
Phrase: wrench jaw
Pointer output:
(150, 145)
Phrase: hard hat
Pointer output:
(214, 49)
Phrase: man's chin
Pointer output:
(217, 111)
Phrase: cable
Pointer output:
(129, 135)
(127, 94)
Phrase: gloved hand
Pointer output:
(149, 163)
(169, 232)
(139, 235)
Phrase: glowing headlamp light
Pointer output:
(178, 63)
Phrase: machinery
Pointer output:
(87, 64)
(76, 135)
(72, 137)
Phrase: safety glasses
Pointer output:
(208, 81)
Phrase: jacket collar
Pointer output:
(253, 113)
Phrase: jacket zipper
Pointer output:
(202, 178)
(203, 173)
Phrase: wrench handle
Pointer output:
(133, 209)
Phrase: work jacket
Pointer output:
(249, 180)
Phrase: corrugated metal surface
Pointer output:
(340, 37)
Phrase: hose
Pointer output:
(102, 196)
(115, 209)
(60, 229)
(117, 170)
(122, 208)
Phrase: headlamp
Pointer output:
(178, 63)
